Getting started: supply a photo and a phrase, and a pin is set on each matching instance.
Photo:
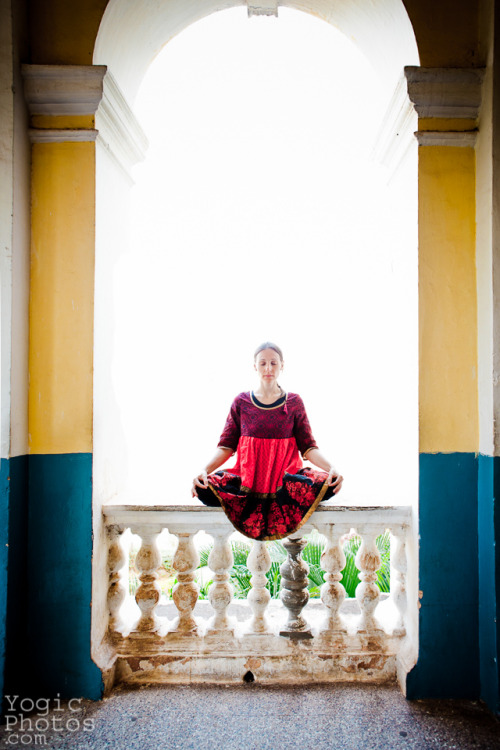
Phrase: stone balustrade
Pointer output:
(293, 639)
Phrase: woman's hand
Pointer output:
(220, 457)
(199, 481)
(335, 480)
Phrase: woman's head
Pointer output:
(268, 362)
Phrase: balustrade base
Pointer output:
(266, 668)
(225, 658)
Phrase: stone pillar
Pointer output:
(65, 103)
(447, 103)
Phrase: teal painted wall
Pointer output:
(489, 579)
(4, 541)
(448, 661)
(60, 551)
(17, 668)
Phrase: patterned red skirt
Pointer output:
(271, 516)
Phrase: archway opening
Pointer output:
(130, 36)
(260, 213)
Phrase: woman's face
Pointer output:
(268, 365)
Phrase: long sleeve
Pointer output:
(231, 432)
(302, 430)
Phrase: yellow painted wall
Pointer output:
(62, 122)
(447, 300)
(446, 124)
(62, 297)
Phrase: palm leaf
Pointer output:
(204, 554)
(277, 552)
(274, 580)
(241, 550)
(240, 578)
(350, 574)
(312, 553)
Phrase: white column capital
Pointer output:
(63, 89)
(72, 90)
(430, 93)
(445, 92)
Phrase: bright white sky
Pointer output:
(259, 215)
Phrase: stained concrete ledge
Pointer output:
(256, 717)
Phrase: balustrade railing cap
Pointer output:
(203, 517)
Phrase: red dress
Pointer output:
(267, 494)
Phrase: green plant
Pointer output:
(350, 574)
(277, 553)
(312, 556)
(240, 575)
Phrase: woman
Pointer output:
(267, 494)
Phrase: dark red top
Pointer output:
(267, 440)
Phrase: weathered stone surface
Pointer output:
(147, 562)
(185, 592)
(222, 640)
(259, 563)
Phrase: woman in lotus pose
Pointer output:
(267, 494)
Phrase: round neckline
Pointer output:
(275, 405)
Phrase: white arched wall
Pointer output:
(131, 34)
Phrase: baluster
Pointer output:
(116, 589)
(368, 562)
(220, 593)
(259, 563)
(399, 568)
(332, 591)
(185, 592)
(294, 593)
(147, 562)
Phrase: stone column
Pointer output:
(185, 592)
(294, 593)
(221, 591)
(333, 592)
(259, 563)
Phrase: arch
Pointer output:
(131, 34)
(129, 37)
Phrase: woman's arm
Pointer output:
(334, 478)
(220, 457)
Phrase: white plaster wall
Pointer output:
(6, 210)
(484, 239)
(131, 34)
(109, 457)
(495, 238)
(21, 251)
(14, 237)
(402, 236)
